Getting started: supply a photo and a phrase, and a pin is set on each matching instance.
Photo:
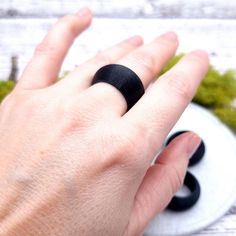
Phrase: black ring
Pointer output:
(199, 153)
(184, 203)
(122, 78)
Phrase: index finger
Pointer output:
(43, 68)
(162, 105)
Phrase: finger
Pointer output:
(44, 67)
(146, 62)
(81, 77)
(160, 108)
(162, 181)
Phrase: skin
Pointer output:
(72, 160)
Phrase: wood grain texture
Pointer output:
(122, 8)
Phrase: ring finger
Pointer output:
(147, 61)
(80, 78)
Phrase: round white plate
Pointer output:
(216, 174)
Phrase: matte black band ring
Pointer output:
(183, 203)
(199, 153)
(122, 78)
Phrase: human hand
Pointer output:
(72, 160)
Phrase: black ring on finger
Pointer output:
(123, 79)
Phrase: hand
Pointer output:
(72, 160)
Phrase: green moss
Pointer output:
(216, 89)
(5, 88)
(171, 63)
(227, 115)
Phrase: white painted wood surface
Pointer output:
(19, 36)
(122, 8)
(23, 24)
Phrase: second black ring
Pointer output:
(184, 203)
(198, 154)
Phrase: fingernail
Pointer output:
(193, 143)
(171, 36)
(83, 12)
(135, 40)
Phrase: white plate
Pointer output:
(216, 174)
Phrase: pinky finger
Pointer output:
(162, 181)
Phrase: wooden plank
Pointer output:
(224, 227)
(122, 8)
(19, 36)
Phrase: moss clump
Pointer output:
(227, 115)
(5, 88)
(171, 63)
(216, 90)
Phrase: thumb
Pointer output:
(162, 181)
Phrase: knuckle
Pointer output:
(44, 48)
(139, 133)
(144, 59)
(121, 147)
(102, 59)
(72, 123)
(176, 178)
(65, 26)
(143, 140)
(135, 139)
(121, 152)
(128, 145)
(74, 119)
(179, 84)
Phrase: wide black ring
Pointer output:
(198, 154)
(183, 203)
(122, 78)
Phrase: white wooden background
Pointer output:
(24, 22)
